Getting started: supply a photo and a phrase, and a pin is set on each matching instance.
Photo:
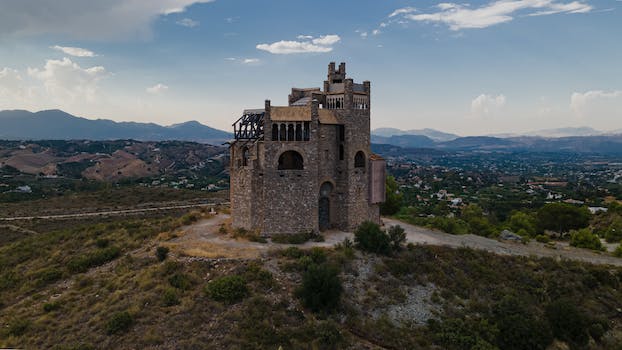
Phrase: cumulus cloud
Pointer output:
(320, 44)
(484, 104)
(187, 22)
(93, 19)
(157, 89)
(74, 51)
(65, 81)
(13, 88)
(463, 16)
(597, 104)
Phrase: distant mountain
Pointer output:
(409, 141)
(433, 134)
(58, 125)
(478, 143)
(565, 132)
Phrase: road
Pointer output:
(110, 212)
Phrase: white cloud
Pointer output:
(304, 37)
(484, 104)
(187, 22)
(157, 89)
(363, 35)
(463, 16)
(93, 19)
(375, 32)
(319, 45)
(597, 104)
(74, 51)
(402, 11)
(13, 89)
(65, 81)
(326, 40)
(250, 60)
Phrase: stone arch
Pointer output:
(291, 160)
(359, 159)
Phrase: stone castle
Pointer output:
(307, 166)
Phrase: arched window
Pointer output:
(283, 132)
(298, 132)
(290, 132)
(290, 160)
(359, 160)
(245, 156)
(326, 189)
(275, 132)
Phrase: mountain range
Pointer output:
(58, 125)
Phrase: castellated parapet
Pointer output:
(307, 166)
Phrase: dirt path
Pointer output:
(110, 212)
(421, 235)
(203, 240)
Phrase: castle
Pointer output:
(307, 166)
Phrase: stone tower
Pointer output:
(307, 166)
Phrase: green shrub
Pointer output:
(180, 281)
(369, 237)
(48, 275)
(92, 259)
(297, 238)
(618, 251)
(292, 252)
(567, 322)
(327, 335)
(321, 288)
(102, 243)
(190, 218)
(397, 237)
(17, 327)
(518, 328)
(543, 238)
(584, 238)
(119, 323)
(227, 289)
(162, 253)
(562, 217)
(51, 306)
(170, 298)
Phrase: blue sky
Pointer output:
(469, 68)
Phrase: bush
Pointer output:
(393, 200)
(227, 289)
(17, 327)
(618, 251)
(369, 237)
(567, 322)
(584, 238)
(397, 237)
(51, 306)
(119, 323)
(162, 253)
(297, 238)
(321, 288)
(48, 275)
(180, 281)
(93, 259)
(170, 298)
(518, 328)
(543, 238)
(562, 217)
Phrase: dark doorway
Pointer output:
(324, 206)
(324, 211)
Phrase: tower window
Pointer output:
(341, 152)
(298, 132)
(290, 132)
(275, 132)
(342, 133)
(359, 160)
(291, 160)
(283, 132)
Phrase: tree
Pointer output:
(523, 221)
(321, 287)
(369, 237)
(397, 236)
(562, 217)
(584, 238)
(393, 201)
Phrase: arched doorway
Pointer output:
(324, 205)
